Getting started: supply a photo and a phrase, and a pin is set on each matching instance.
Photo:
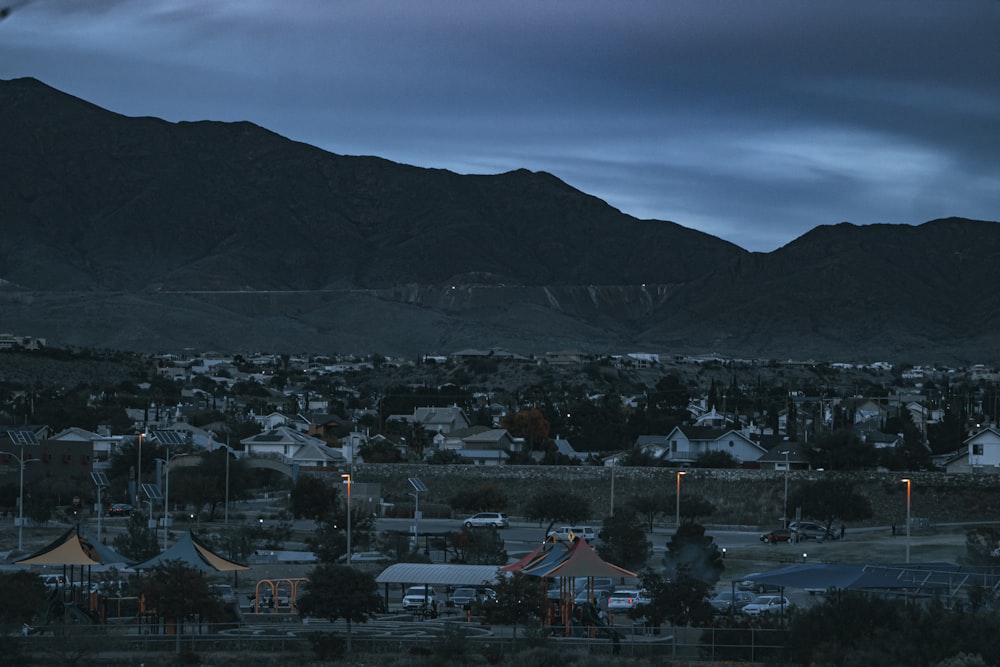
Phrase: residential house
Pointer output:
(484, 457)
(436, 420)
(687, 443)
(566, 449)
(292, 446)
(786, 455)
(656, 446)
(981, 453)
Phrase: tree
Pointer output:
(828, 500)
(623, 541)
(312, 498)
(528, 424)
(682, 600)
(694, 507)
(478, 546)
(480, 498)
(519, 600)
(982, 546)
(339, 591)
(650, 505)
(842, 450)
(716, 460)
(177, 591)
(23, 594)
(138, 542)
(553, 506)
(694, 555)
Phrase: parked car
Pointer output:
(749, 583)
(53, 580)
(420, 597)
(766, 604)
(599, 596)
(366, 557)
(462, 597)
(495, 519)
(120, 509)
(627, 598)
(777, 535)
(726, 601)
(810, 530)
(224, 591)
(565, 533)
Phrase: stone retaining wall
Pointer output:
(742, 497)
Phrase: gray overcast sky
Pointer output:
(753, 121)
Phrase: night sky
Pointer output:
(753, 121)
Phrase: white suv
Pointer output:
(417, 597)
(495, 519)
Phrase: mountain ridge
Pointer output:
(140, 234)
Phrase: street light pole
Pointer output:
(20, 501)
(677, 508)
(908, 483)
(138, 472)
(784, 517)
(347, 481)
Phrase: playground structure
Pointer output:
(565, 563)
(268, 595)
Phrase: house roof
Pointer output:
(555, 558)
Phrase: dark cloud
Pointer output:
(754, 122)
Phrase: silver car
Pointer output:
(495, 519)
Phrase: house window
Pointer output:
(977, 450)
(732, 444)
(673, 445)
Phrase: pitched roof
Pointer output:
(193, 553)
(72, 548)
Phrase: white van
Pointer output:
(567, 533)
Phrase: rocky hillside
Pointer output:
(138, 234)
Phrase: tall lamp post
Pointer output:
(166, 497)
(677, 508)
(20, 499)
(347, 481)
(908, 482)
(784, 513)
(138, 471)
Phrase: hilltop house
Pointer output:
(436, 420)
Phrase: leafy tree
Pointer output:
(177, 591)
(982, 546)
(693, 554)
(529, 424)
(623, 541)
(339, 591)
(650, 505)
(442, 457)
(716, 460)
(380, 452)
(478, 546)
(828, 500)
(682, 600)
(636, 457)
(313, 498)
(553, 506)
(138, 542)
(480, 498)
(693, 507)
(520, 600)
(842, 450)
(23, 594)
(329, 539)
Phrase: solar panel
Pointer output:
(100, 479)
(169, 437)
(22, 437)
(419, 486)
(152, 491)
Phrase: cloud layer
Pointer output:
(751, 121)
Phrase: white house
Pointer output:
(292, 446)
(982, 453)
(687, 443)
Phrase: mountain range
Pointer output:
(145, 235)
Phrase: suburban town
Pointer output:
(284, 463)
